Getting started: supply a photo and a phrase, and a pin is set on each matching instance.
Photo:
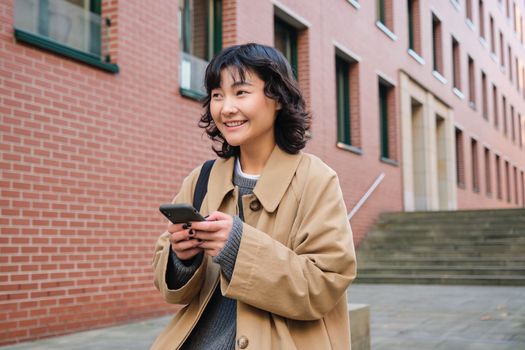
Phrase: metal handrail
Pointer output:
(366, 196)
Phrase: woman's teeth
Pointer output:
(232, 124)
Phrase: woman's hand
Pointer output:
(182, 241)
(213, 232)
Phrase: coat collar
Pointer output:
(271, 186)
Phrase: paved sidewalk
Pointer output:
(424, 317)
(408, 317)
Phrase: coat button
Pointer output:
(242, 342)
(255, 205)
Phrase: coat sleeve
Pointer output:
(306, 281)
(187, 292)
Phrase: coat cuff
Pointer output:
(180, 273)
(227, 257)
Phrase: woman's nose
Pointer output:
(228, 107)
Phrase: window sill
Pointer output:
(416, 56)
(472, 105)
(194, 95)
(483, 42)
(63, 50)
(439, 77)
(458, 93)
(456, 4)
(387, 31)
(354, 3)
(461, 186)
(494, 57)
(389, 161)
(350, 148)
(470, 24)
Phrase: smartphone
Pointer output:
(180, 213)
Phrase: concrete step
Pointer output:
(458, 280)
(437, 248)
(446, 261)
(476, 247)
(517, 213)
(373, 269)
(429, 253)
(436, 240)
(451, 231)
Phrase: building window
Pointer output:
(471, 82)
(460, 159)
(484, 102)
(515, 21)
(509, 55)
(72, 28)
(499, 192)
(522, 189)
(481, 24)
(501, 50)
(200, 38)
(456, 64)
(347, 99)
(521, 130)
(516, 198)
(488, 175)
(474, 164)
(437, 45)
(414, 26)
(492, 36)
(512, 124)
(384, 9)
(285, 40)
(507, 180)
(504, 106)
(468, 5)
(386, 120)
(495, 105)
(517, 67)
(522, 85)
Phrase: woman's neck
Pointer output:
(253, 159)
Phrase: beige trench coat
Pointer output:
(294, 264)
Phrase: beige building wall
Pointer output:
(427, 128)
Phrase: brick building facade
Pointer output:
(99, 110)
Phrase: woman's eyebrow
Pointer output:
(240, 83)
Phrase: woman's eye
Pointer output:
(215, 95)
(241, 92)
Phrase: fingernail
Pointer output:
(186, 226)
(191, 233)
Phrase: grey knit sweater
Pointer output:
(217, 325)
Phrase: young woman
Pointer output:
(270, 266)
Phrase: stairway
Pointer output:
(475, 247)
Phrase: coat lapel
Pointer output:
(275, 179)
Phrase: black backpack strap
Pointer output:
(202, 184)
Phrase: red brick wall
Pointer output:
(87, 156)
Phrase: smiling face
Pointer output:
(244, 115)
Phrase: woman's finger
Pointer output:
(177, 227)
(185, 245)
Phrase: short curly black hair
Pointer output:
(292, 121)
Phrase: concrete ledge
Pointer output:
(359, 326)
